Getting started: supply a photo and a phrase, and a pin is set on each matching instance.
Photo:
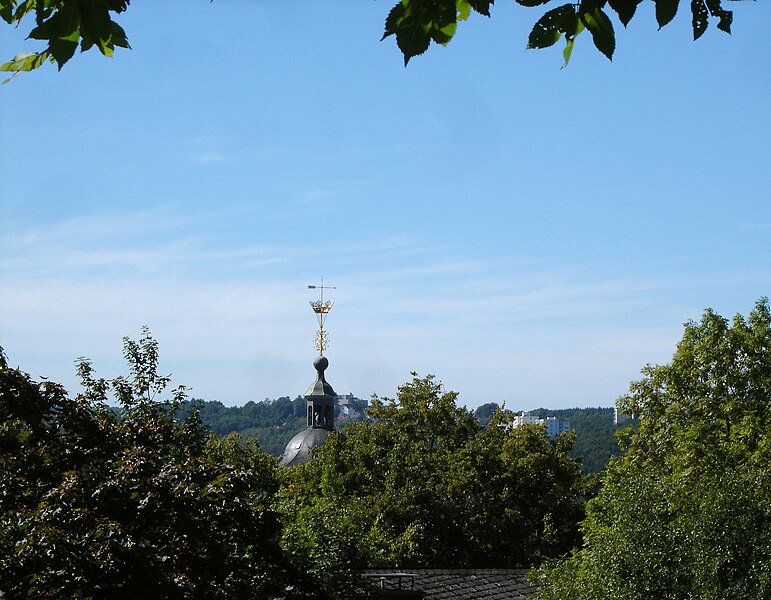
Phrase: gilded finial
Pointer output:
(321, 308)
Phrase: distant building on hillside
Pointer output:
(525, 419)
(554, 426)
(351, 406)
(619, 417)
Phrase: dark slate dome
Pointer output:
(298, 449)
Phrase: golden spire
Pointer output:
(321, 308)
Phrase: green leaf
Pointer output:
(106, 48)
(62, 50)
(62, 24)
(463, 8)
(444, 35)
(625, 9)
(726, 16)
(550, 27)
(118, 6)
(41, 14)
(443, 18)
(574, 27)
(700, 18)
(61, 30)
(481, 6)
(24, 62)
(6, 11)
(416, 22)
(95, 19)
(601, 28)
(665, 11)
(567, 51)
(118, 36)
(411, 38)
(532, 3)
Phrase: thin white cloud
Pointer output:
(209, 158)
(234, 322)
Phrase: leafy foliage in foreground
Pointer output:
(421, 485)
(94, 505)
(66, 25)
(686, 511)
(417, 23)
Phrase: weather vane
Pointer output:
(321, 308)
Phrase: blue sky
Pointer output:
(527, 233)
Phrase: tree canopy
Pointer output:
(422, 485)
(686, 511)
(96, 503)
(63, 26)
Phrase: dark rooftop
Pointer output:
(458, 584)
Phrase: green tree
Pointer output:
(95, 504)
(685, 512)
(526, 495)
(63, 26)
(421, 485)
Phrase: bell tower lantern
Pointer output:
(320, 397)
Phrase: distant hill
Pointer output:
(271, 422)
(595, 434)
(274, 422)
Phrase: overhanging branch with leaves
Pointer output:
(66, 25)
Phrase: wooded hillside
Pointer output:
(274, 422)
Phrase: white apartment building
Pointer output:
(554, 426)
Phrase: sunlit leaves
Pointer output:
(64, 25)
(564, 20)
(684, 513)
(416, 23)
(598, 23)
(550, 27)
(25, 62)
(422, 484)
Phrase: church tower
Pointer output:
(320, 397)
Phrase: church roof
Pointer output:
(320, 387)
(298, 449)
(320, 399)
